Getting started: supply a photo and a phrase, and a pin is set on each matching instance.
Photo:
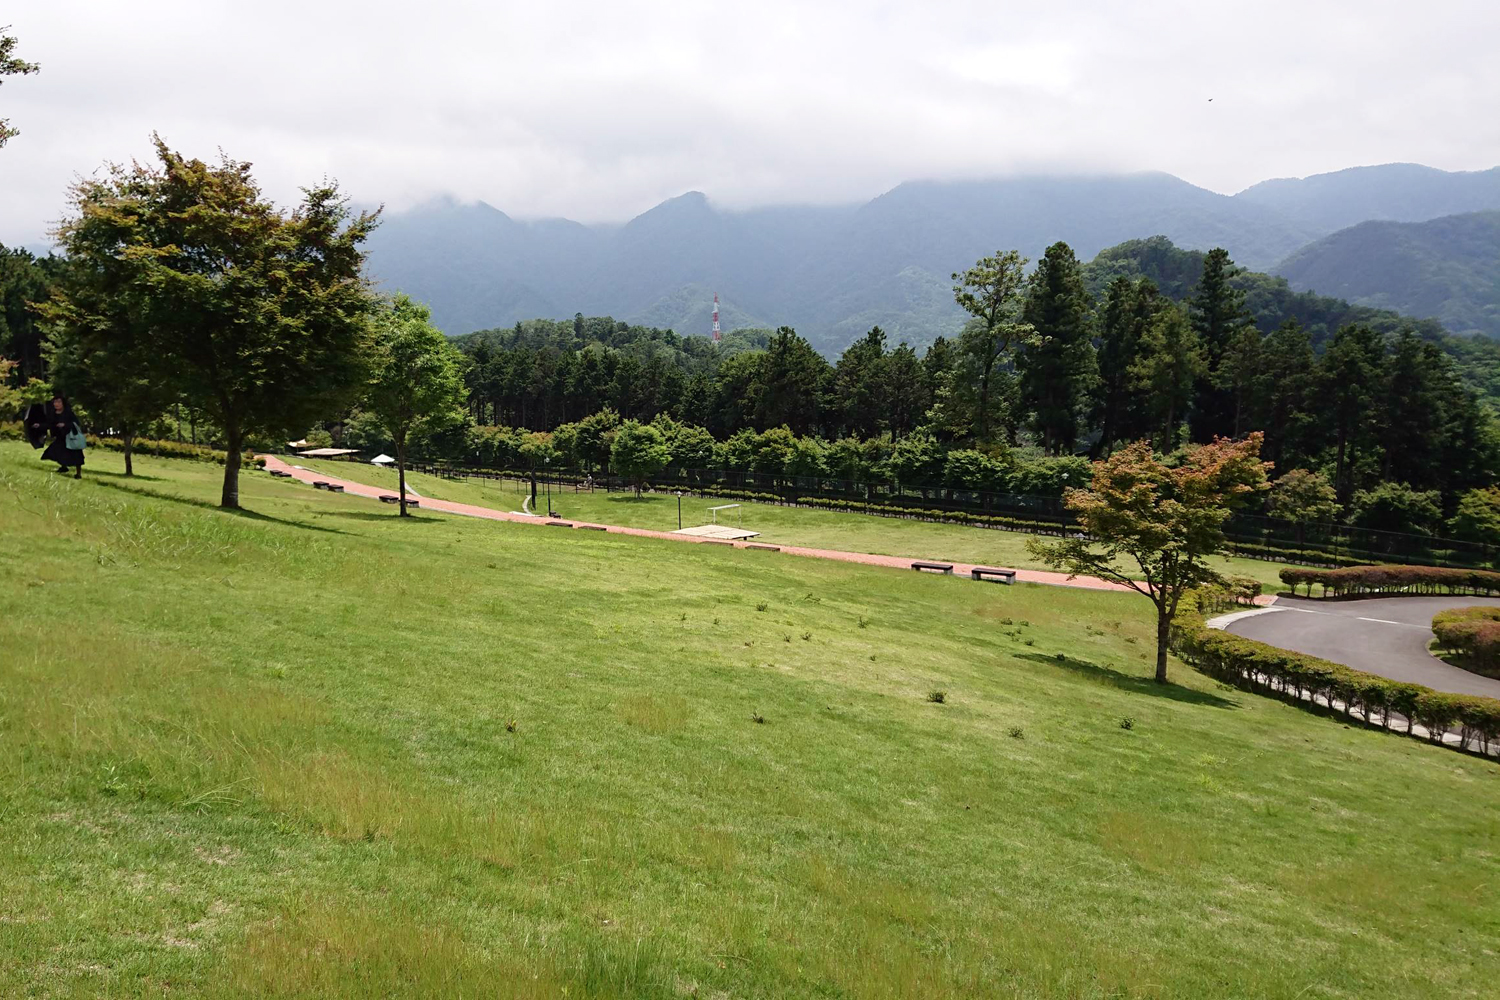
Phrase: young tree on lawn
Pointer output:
(639, 452)
(1165, 519)
(256, 317)
(1303, 498)
(11, 65)
(417, 384)
(989, 292)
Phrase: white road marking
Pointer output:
(1386, 621)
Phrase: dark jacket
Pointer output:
(35, 422)
(58, 425)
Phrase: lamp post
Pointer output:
(679, 510)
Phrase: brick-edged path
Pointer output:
(894, 562)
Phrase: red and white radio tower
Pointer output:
(716, 318)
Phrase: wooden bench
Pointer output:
(413, 502)
(335, 488)
(386, 498)
(558, 524)
(590, 527)
(278, 474)
(946, 568)
(319, 484)
(993, 575)
(763, 548)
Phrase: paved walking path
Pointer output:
(865, 558)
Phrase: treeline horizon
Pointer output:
(1045, 363)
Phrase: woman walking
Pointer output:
(66, 448)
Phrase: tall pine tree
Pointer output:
(1057, 366)
(1219, 319)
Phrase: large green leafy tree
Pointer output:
(96, 351)
(258, 317)
(1152, 525)
(639, 452)
(1057, 367)
(416, 383)
(989, 291)
(1217, 307)
(25, 281)
(11, 65)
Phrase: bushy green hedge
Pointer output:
(1367, 580)
(172, 449)
(1256, 666)
(1473, 635)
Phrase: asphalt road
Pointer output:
(1381, 635)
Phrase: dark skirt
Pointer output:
(60, 453)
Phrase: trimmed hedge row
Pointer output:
(1473, 635)
(172, 449)
(1364, 580)
(1256, 666)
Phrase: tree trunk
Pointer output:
(234, 440)
(127, 434)
(1163, 639)
(401, 474)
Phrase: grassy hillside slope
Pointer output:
(315, 750)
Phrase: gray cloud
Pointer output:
(598, 110)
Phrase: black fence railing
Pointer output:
(1253, 536)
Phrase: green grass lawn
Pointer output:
(320, 751)
(822, 529)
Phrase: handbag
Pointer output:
(75, 441)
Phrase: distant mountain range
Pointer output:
(834, 271)
(1447, 268)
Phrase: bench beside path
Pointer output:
(275, 465)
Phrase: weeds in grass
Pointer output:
(787, 637)
(757, 718)
(864, 622)
(1016, 733)
(762, 606)
(806, 636)
(511, 725)
(937, 696)
(1127, 723)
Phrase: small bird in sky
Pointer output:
(1210, 100)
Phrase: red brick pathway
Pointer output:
(894, 562)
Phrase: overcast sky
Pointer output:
(599, 110)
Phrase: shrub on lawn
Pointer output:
(1264, 669)
(1473, 635)
(1364, 580)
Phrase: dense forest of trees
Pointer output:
(1057, 363)
(1070, 359)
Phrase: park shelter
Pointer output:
(382, 460)
(329, 453)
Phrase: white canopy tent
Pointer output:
(382, 460)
